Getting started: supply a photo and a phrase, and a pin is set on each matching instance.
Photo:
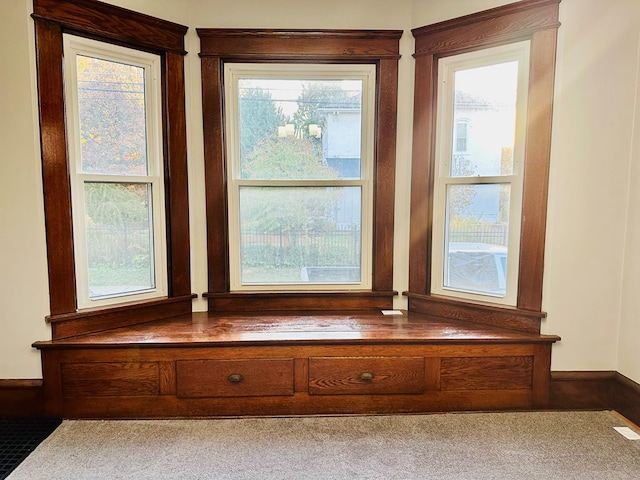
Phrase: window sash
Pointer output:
(152, 177)
(446, 142)
(366, 74)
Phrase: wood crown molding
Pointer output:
(296, 43)
(507, 23)
(116, 23)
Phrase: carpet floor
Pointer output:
(523, 445)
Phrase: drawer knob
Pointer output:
(235, 378)
(366, 376)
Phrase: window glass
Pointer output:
(119, 238)
(300, 190)
(477, 235)
(486, 97)
(111, 111)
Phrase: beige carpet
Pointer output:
(543, 445)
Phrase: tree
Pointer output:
(319, 96)
(111, 107)
(259, 119)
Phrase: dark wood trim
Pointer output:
(533, 20)
(626, 397)
(302, 301)
(55, 169)
(505, 24)
(582, 390)
(292, 44)
(379, 47)
(97, 320)
(111, 24)
(98, 19)
(422, 180)
(536, 169)
(595, 391)
(176, 177)
(21, 398)
(513, 318)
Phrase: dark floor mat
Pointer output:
(19, 436)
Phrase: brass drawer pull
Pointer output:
(235, 378)
(366, 376)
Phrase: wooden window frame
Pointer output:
(533, 20)
(110, 24)
(378, 47)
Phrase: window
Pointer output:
(461, 143)
(481, 144)
(478, 196)
(100, 184)
(311, 229)
(299, 159)
(113, 119)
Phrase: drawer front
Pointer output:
(366, 375)
(234, 378)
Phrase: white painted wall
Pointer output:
(589, 284)
(629, 337)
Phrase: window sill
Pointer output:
(301, 301)
(107, 318)
(486, 314)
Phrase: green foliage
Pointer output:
(116, 203)
(259, 119)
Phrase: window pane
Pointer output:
(484, 117)
(476, 238)
(119, 238)
(300, 235)
(111, 107)
(300, 129)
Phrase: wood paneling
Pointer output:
(295, 363)
(108, 379)
(486, 373)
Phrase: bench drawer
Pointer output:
(234, 378)
(366, 375)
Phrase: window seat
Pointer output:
(207, 364)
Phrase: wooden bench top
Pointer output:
(289, 328)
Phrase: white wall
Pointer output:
(587, 302)
(629, 338)
(23, 265)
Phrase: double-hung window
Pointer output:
(480, 167)
(480, 139)
(299, 160)
(113, 105)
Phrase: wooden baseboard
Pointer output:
(626, 398)
(595, 390)
(21, 398)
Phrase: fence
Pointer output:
(290, 248)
